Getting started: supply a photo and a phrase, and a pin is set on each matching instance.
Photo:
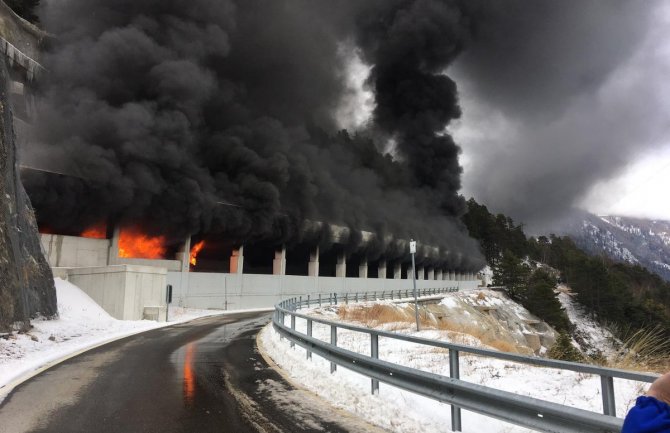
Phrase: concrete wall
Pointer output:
(122, 290)
(77, 252)
(170, 265)
(70, 251)
(244, 291)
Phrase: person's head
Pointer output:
(660, 389)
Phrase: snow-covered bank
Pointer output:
(82, 324)
(401, 411)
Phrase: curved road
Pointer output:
(203, 376)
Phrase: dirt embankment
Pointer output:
(481, 317)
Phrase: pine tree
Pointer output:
(564, 350)
(539, 298)
(510, 272)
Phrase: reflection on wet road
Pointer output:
(189, 377)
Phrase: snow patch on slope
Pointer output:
(593, 339)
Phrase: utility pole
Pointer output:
(412, 251)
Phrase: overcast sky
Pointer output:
(567, 104)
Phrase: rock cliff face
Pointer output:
(26, 282)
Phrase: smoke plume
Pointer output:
(219, 117)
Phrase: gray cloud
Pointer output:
(556, 97)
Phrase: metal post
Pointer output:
(308, 301)
(335, 295)
(292, 327)
(391, 294)
(416, 295)
(319, 299)
(455, 374)
(607, 384)
(356, 296)
(346, 298)
(309, 334)
(300, 303)
(333, 341)
(374, 353)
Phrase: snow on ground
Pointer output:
(403, 412)
(81, 324)
(597, 338)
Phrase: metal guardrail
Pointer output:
(525, 411)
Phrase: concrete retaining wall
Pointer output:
(71, 251)
(244, 291)
(122, 290)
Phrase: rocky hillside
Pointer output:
(26, 283)
(633, 240)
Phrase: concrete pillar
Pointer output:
(381, 269)
(420, 273)
(438, 275)
(279, 262)
(237, 261)
(431, 274)
(113, 256)
(184, 255)
(363, 269)
(313, 267)
(397, 271)
(341, 265)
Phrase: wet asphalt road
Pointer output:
(204, 376)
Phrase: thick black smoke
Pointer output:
(167, 112)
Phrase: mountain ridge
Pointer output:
(641, 241)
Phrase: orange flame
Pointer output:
(133, 244)
(98, 231)
(194, 252)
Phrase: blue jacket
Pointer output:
(647, 416)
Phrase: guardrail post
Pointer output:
(319, 299)
(308, 301)
(391, 294)
(607, 384)
(454, 372)
(335, 296)
(309, 334)
(292, 327)
(365, 296)
(346, 298)
(299, 304)
(374, 353)
(406, 294)
(333, 341)
(374, 295)
(356, 297)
